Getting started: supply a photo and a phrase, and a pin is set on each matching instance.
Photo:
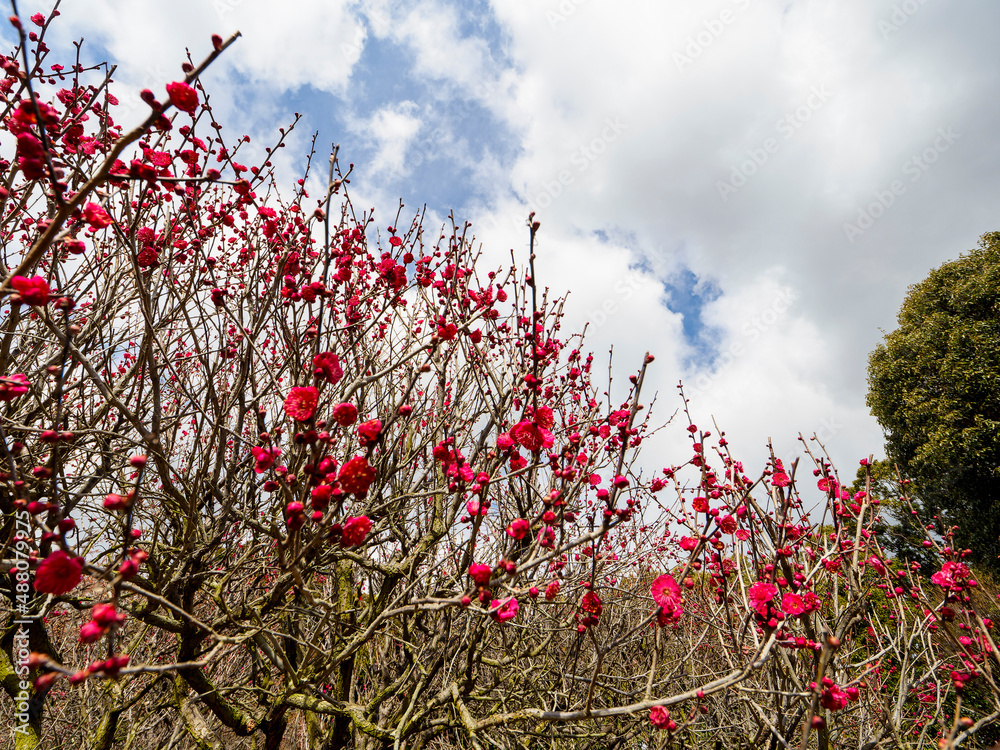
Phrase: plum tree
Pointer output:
(274, 474)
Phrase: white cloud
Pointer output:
(702, 87)
(430, 30)
(313, 42)
(391, 129)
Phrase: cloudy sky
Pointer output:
(745, 188)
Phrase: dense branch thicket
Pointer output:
(275, 475)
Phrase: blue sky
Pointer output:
(744, 187)
(455, 129)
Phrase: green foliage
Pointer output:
(934, 386)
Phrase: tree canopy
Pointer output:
(934, 386)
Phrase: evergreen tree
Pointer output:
(934, 386)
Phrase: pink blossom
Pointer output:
(480, 573)
(531, 436)
(950, 576)
(761, 593)
(106, 615)
(326, 365)
(34, 291)
(300, 404)
(356, 476)
(320, 497)
(447, 332)
(116, 502)
(369, 431)
(58, 573)
(535, 434)
(793, 605)
(659, 717)
(667, 595)
(780, 479)
(619, 418)
(148, 257)
(834, 698)
(551, 591)
(103, 617)
(294, 515)
(547, 537)
(355, 531)
(544, 417)
(96, 216)
(264, 458)
(91, 632)
(344, 414)
(518, 528)
(811, 602)
(183, 96)
(130, 565)
(665, 591)
(13, 386)
(30, 156)
(476, 508)
(591, 604)
(876, 563)
(504, 611)
(688, 543)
